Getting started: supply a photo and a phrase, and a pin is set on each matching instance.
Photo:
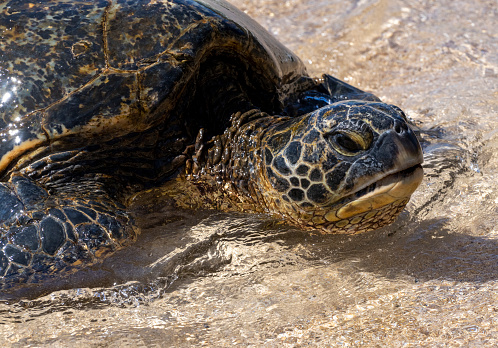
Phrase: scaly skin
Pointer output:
(337, 169)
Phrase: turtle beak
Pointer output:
(396, 150)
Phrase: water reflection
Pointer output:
(5, 97)
(9, 87)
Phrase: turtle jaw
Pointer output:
(367, 209)
(376, 205)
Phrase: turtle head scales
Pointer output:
(348, 167)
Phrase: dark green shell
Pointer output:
(102, 69)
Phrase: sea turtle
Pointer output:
(102, 99)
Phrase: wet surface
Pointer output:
(217, 279)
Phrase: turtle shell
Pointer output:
(96, 70)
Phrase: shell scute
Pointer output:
(38, 64)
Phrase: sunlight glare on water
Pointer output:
(217, 279)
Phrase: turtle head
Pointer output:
(348, 167)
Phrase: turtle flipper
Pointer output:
(44, 232)
(327, 91)
(340, 90)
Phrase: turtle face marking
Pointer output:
(338, 155)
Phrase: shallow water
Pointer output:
(217, 279)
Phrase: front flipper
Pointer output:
(340, 90)
(329, 91)
(43, 232)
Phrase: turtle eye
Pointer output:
(348, 143)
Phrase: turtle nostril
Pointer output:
(399, 127)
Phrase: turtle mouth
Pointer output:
(398, 186)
